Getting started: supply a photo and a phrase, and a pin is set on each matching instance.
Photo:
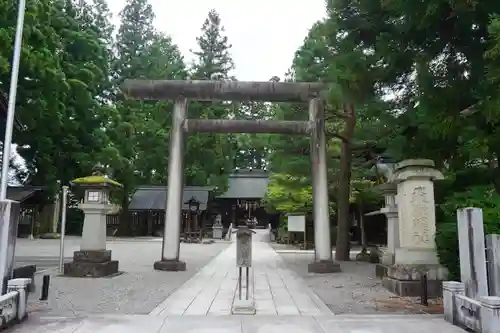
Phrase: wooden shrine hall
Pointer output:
(241, 202)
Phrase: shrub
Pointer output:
(483, 197)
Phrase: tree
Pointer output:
(363, 194)
(213, 58)
(209, 156)
(137, 129)
(252, 150)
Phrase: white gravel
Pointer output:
(352, 291)
(137, 291)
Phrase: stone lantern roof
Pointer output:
(96, 181)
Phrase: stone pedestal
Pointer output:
(170, 265)
(217, 230)
(243, 307)
(324, 266)
(405, 279)
(93, 260)
(91, 263)
(416, 253)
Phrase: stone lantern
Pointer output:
(93, 260)
(217, 228)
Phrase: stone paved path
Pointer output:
(277, 290)
(242, 324)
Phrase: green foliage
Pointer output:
(484, 197)
(364, 193)
(288, 194)
(209, 156)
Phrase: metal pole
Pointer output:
(248, 280)
(63, 228)
(57, 208)
(239, 282)
(305, 234)
(7, 142)
(173, 213)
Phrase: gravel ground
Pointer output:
(355, 290)
(137, 291)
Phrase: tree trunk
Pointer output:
(343, 223)
(496, 172)
(124, 227)
(364, 244)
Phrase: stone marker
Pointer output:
(472, 252)
(93, 260)
(493, 251)
(416, 254)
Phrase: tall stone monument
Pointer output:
(416, 253)
(93, 259)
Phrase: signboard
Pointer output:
(296, 223)
(244, 247)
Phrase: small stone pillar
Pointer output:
(93, 260)
(20, 285)
(9, 219)
(490, 314)
(416, 254)
(391, 212)
(450, 289)
(217, 228)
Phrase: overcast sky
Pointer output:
(264, 33)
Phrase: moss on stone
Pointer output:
(95, 180)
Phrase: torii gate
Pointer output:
(181, 91)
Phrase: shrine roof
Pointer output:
(155, 197)
(23, 193)
(246, 184)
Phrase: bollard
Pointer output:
(423, 289)
(45, 288)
